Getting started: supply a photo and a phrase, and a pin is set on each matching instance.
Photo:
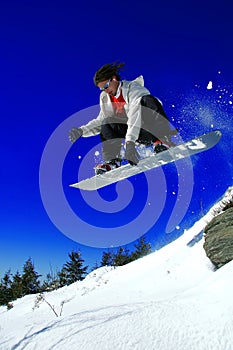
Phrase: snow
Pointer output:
(210, 85)
(171, 299)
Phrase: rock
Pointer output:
(219, 238)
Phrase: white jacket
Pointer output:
(132, 92)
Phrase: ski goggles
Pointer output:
(106, 85)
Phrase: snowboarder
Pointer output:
(127, 111)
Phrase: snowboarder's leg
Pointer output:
(111, 136)
(154, 119)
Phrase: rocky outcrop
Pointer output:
(219, 238)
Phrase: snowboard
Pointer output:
(173, 154)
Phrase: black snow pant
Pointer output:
(154, 125)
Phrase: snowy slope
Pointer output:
(169, 300)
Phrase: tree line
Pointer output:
(28, 282)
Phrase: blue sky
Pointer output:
(49, 54)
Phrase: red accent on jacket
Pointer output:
(118, 105)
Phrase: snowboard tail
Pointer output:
(186, 149)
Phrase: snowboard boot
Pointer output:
(108, 166)
(159, 146)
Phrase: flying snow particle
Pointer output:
(97, 153)
(79, 157)
(230, 102)
(210, 85)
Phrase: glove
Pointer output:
(75, 134)
(131, 154)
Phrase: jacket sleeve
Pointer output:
(135, 93)
(94, 126)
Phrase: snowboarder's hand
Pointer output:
(75, 134)
(131, 153)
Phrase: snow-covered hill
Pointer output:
(170, 300)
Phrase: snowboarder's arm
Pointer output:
(93, 127)
(135, 93)
(134, 121)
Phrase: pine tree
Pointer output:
(30, 279)
(52, 282)
(107, 259)
(5, 289)
(2, 294)
(122, 257)
(17, 286)
(142, 249)
(63, 277)
(73, 270)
